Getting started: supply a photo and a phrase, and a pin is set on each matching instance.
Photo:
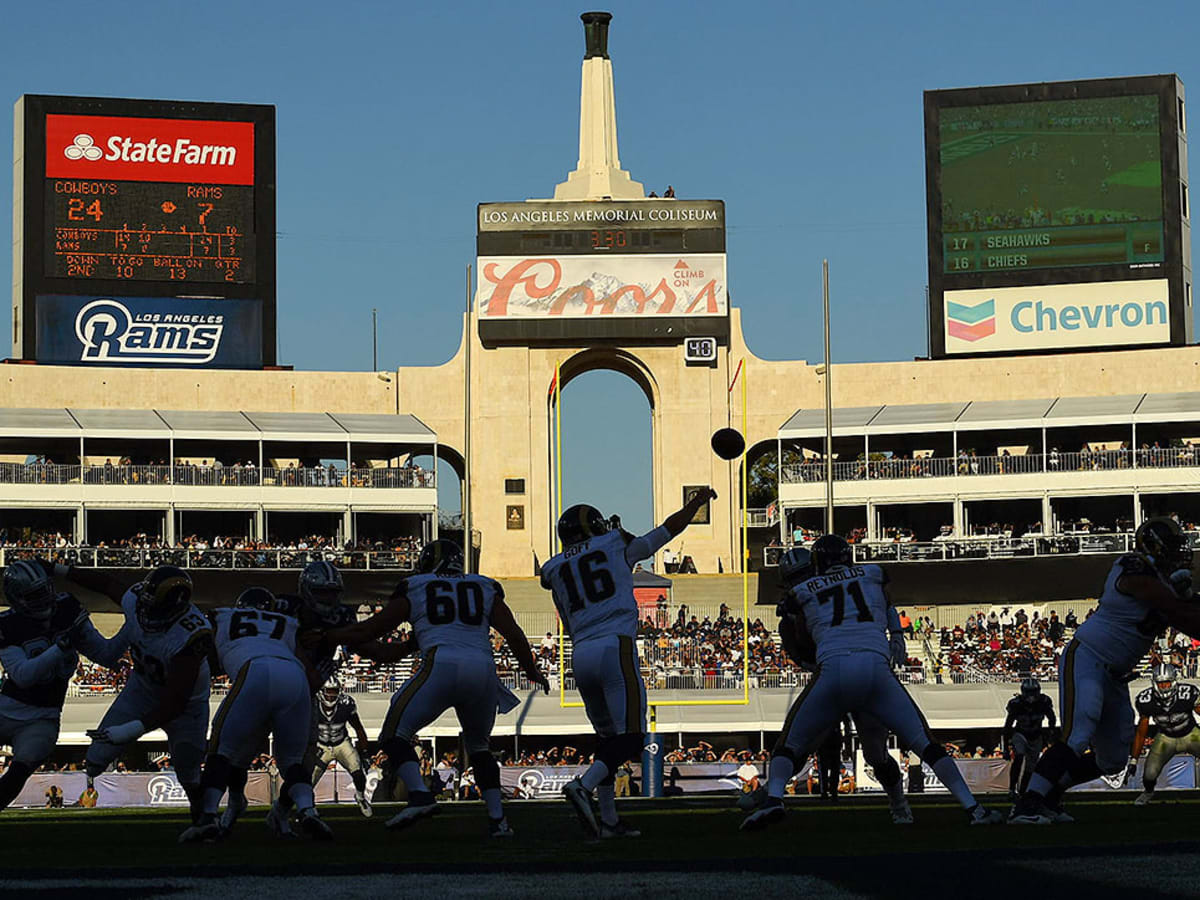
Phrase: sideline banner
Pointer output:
(123, 790)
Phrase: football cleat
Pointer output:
(1144, 798)
(314, 826)
(620, 830)
(902, 813)
(768, 814)
(420, 806)
(981, 815)
(364, 805)
(233, 810)
(750, 800)
(277, 821)
(206, 829)
(1030, 811)
(1059, 816)
(499, 828)
(581, 799)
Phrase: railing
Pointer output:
(757, 518)
(277, 558)
(959, 549)
(216, 476)
(967, 465)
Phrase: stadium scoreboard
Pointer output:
(1042, 186)
(163, 210)
(648, 270)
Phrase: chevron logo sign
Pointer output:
(971, 323)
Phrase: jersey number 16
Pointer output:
(597, 583)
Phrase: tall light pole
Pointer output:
(828, 405)
(468, 547)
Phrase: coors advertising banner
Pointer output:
(152, 331)
(689, 284)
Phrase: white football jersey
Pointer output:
(1121, 630)
(243, 634)
(592, 584)
(153, 651)
(452, 610)
(845, 610)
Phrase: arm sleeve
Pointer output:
(98, 648)
(26, 671)
(647, 545)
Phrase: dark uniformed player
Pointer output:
(1170, 709)
(41, 635)
(1025, 733)
(337, 713)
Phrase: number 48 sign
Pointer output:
(700, 350)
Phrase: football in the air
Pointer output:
(728, 443)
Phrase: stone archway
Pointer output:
(585, 362)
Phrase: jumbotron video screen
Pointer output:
(1051, 184)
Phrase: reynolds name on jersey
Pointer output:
(845, 610)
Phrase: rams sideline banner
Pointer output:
(133, 789)
(691, 284)
(1059, 316)
(149, 331)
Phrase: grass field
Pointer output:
(688, 848)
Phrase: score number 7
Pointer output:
(207, 208)
(837, 594)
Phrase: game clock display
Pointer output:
(148, 231)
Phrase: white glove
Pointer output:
(1181, 581)
(118, 734)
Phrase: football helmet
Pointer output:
(30, 589)
(1166, 682)
(1164, 542)
(831, 550)
(321, 589)
(1030, 687)
(581, 522)
(330, 691)
(796, 565)
(163, 598)
(257, 598)
(440, 557)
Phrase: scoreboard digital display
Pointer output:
(150, 231)
(157, 206)
(1065, 198)
(1052, 183)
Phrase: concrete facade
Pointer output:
(511, 422)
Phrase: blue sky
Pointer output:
(395, 119)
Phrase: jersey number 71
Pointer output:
(837, 594)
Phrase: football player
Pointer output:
(795, 566)
(1024, 732)
(317, 606)
(1146, 591)
(592, 584)
(169, 640)
(1171, 708)
(841, 613)
(452, 614)
(271, 691)
(41, 635)
(336, 714)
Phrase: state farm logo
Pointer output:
(110, 333)
(83, 147)
(181, 151)
(158, 150)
